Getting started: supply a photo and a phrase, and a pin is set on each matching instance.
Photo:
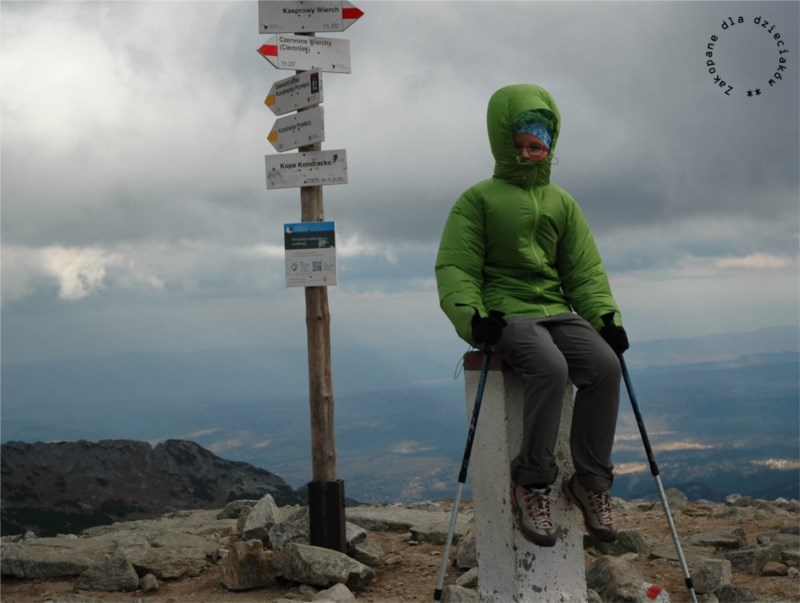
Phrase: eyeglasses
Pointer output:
(535, 151)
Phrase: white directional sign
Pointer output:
(287, 51)
(310, 254)
(295, 92)
(275, 16)
(306, 169)
(298, 130)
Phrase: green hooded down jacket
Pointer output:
(517, 243)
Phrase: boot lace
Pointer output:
(537, 507)
(600, 503)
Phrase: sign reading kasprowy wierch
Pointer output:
(295, 92)
(276, 16)
(286, 51)
(298, 130)
(313, 168)
(310, 254)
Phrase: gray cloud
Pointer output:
(132, 158)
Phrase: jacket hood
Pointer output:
(505, 106)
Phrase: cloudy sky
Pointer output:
(135, 214)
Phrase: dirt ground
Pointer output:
(409, 571)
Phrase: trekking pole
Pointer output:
(462, 475)
(609, 319)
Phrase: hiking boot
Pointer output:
(596, 508)
(531, 507)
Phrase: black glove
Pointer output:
(488, 330)
(614, 335)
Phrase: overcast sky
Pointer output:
(135, 214)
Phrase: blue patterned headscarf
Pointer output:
(530, 122)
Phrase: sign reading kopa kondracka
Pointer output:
(313, 168)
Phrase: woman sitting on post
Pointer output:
(518, 271)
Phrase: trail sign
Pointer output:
(275, 16)
(298, 130)
(313, 168)
(310, 254)
(295, 92)
(286, 51)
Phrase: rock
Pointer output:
(436, 533)
(234, 508)
(148, 583)
(246, 566)
(261, 518)
(398, 519)
(734, 594)
(321, 567)
(293, 529)
(628, 541)
(459, 594)
(677, 500)
(338, 593)
(468, 579)
(175, 555)
(773, 568)
(111, 575)
(721, 538)
(710, 574)
(467, 551)
(366, 550)
(615, 579)
(50, 557)
(751, 560)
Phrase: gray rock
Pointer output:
(628, 541)
(397, 519)
(734, 594)
(293, 529)
(176, 555)
(110, 575)
(50, 557)
(436, 532)
(676, 499)
(721, 538)
(468, 579)
(148, 583)
(710, 574)
(234, 508)
(615, 579)
(246, 566)
(752, 560)
(367, 550)
(791, 557)
(467, 551)
(338, 593)
(459, 594)
(321, 567)
(592, 596)
(261, 518)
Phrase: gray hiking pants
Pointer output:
(548, 353)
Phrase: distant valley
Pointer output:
(725, 420)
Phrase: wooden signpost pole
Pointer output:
(325, 491)
(310, 169)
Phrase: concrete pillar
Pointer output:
(509, 567)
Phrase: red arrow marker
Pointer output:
(269, 50)
(351, 14)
